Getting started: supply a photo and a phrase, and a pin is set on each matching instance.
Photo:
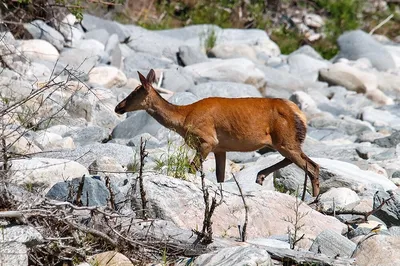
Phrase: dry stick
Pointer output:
(205, 236)
(381, 24)
(78, 200)
(143, 155)
(246, 211)
(112, 197)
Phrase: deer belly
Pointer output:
(243, 143)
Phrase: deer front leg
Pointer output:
(220, 161)
(201, 154)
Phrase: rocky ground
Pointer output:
(59, 90)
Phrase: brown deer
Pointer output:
(219, 125)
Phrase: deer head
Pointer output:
(139, 98)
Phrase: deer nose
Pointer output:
(119, 110)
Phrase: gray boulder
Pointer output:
(136, 123)
(380, 118)
(87, 135)
(150, 42)
(88, 153)
(40, 30)
(177, 79)
(240, 70)
(78, 60)
(24, 234)
(143, 62)
(13, 253)
(100, 35)
(240, 256)
(183, 98)
(113, 49)
(333, 244)
(390, 212)
(90, 23)
(334, 173)
(389, 141)
(306, 67)
(346, 125)
(281, 80)
(189, 55)
(94, 193)
(308, 50)
(224, 89)
(359, 44)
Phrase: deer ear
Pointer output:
(151, 76)
(143, 80)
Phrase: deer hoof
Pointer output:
(260, 179)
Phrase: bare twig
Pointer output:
(381, 24)
(246, 211)
(205, 237)
(354, 212)
(143, 155)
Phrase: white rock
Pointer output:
(231, 50)
(107, 76)
(71, 34)
(378, 250)
(240, 256)
(13, 253)
(380, 117)
(239, 70)
(342, 174)
(39, 49)
(22, 234)
(44, 138)
(45, 171)
(340, 196)
(313, 20)
(20, 144)
(175, 200)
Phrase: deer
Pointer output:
(220, 125)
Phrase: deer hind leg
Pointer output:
(264, 173)
(309, 166)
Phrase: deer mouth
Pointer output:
(119, 110)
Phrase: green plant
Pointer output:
(133, 166)
(164, 257)
(175, 162)
(208, 39)
(288, 40)
(342, 15)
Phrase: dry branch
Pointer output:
(364, 215)
(143, 155)
(246, 211)
(205, 237)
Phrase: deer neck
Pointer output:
(167, 114)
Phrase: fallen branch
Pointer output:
(353, 212)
